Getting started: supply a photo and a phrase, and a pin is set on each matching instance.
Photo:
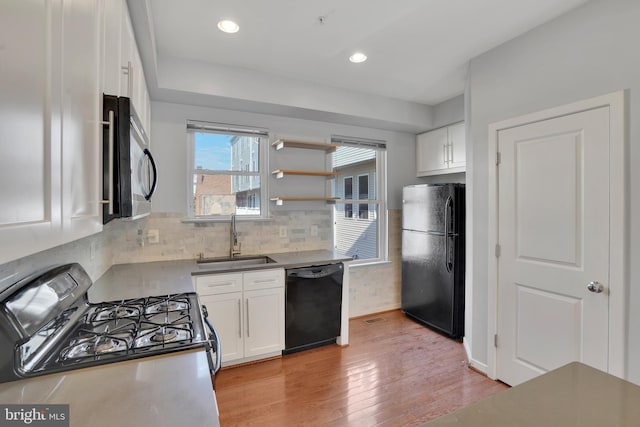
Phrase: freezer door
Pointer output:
(424, 207)
(427, 284)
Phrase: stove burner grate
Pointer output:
(122, 310)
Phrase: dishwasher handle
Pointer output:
(316, 272)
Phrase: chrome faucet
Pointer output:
(234, 246)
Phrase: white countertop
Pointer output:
(160, 391)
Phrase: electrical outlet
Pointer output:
(153, 236)
(314, 230)
(283, 231)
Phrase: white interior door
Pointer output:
(553, 231)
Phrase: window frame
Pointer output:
(344, 196)
(357, 217)
(262, 173)
(380, 182)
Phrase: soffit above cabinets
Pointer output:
(417, 50)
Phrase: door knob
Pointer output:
(595, 287)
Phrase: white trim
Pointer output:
(478, 366)
(263, 174)
(469, 256)
(380, 183)
(343, 339)
(618, 189)
(368, 262)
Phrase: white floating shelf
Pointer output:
(280, 173)
(280, 200)
(282, 143)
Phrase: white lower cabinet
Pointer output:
(247, 310)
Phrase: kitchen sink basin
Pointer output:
(220, 263)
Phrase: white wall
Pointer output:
(169, 147)
(588, 52)
(448, 112)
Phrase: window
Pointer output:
(348, 194)
(363, 194)
(227, 171)
(360, 215)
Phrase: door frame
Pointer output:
(618, 253)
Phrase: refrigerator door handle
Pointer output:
(448, 265)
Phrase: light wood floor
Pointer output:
(395, 372)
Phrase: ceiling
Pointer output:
(418, 50)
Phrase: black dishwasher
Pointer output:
(314, 306)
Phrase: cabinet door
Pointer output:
(431, 152)
(264, 321)
(147, 124)
(30, 219)
(225, 312)
(263, 279)
(111, 46)
(133, 83)
(457, 150)
(80, 119)
(212, 284)
(127, 49)
(139, 84)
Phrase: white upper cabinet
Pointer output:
(132, 82)
(30, 212)
(81, 112)
(112, 23)
(441, 151)
(49, 143)
(431, 152)
(122, 72)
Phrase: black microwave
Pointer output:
(129, 173)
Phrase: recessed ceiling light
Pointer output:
(358, 57)
(228, 26)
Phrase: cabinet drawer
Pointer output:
(263, 279)
(219, 284)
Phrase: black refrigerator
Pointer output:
(433, 219)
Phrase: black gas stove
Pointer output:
(47, 325)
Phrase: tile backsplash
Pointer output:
(375, 288)
(163, 236)
(94, 253)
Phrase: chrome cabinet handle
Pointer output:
(239, 319)
(450, 158)
(247, 301)
(128, 70)
(595, 287)
(445, 154)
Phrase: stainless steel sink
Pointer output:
(246, 261)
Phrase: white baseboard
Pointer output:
(375, 310)
(478, 366)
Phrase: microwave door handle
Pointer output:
(111, 148)
(155, 174)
